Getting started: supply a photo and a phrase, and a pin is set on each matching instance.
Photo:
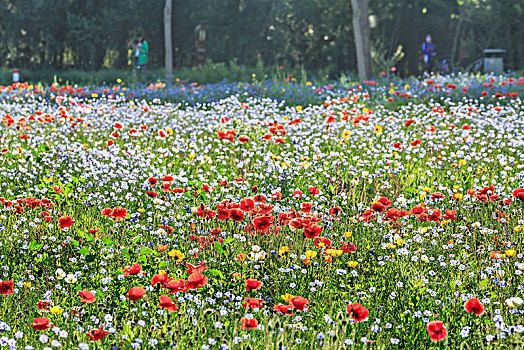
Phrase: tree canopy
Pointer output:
(315, 34)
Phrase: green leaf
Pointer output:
(75, 243)
(163, 264)
(145, 251)
(219, 248)
(484, 282)
(216, 272)
(229, 240)
(84, 251)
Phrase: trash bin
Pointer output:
(494, 61)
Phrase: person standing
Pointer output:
(428, 52)
(143, 49)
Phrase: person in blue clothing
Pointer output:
(428, 52)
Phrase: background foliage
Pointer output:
(314, 34)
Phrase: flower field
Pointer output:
(381, 215)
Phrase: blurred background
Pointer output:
(41, 37)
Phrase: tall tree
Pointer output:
(362, 33)
(168, 42)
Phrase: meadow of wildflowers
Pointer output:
(386, 214)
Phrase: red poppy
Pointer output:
(117, 125)
(262, 223)
(152, 194)
(236, 214)
(409, 122)
(321, 242)
(132, 270)
(107, 212)
(196, 280)
(253, 303)
(252, 284)
(298, 303)
(436, 331)
(297, 194)
(378, 207)
(65, 222)
(152, 181)
(167, 303)
(119, 214)
(285, 309)
(176, 286)
(357, 312)
(97, 333)
(243, 139)
(248, 323)
(313, 191)
(519, 193)
(307, 207)
(247, 204)
(6, 287)
(475, 306)
(160, 278)
(44, 305)
(41, 323)
(312, 231)
(87, 296)
(384, 201)
(136, 293)
(167, 178)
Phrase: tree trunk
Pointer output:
(361, 32)
(168, 42)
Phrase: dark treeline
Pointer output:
(315, 34)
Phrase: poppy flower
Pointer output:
(41, 323)
(136, 293)
(312, 231)
(196, 280)
(65, 222)
(298, 303)
(97, 333)
(519, 193)
(6, 287)
(307, 207)
(152, 181)
(236, 214)
(253, 303)
(176, 286)
(285, 309)
(248, 323)
(152, 194)
(357, 312)
(167, 178)
(436, 331)
(107, 212)
(243, 139)
(167, 303)
(252, 284)
(160, 278)
(475, 306)
(247, 204)
(262, 223)
(44, 305)
(119, 214)
(132, 270)
(378, 207)
(87, 296)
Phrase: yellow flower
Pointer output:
(169, 131)
(177, 255)
(55, 310)
(27, 284)
(426, 189)
(517, 229)
(462, 162)
(348, 234)
(458, 196)
(141, 210)
(253, 75)
(510, 252)
(453, 165)
(346, 134)
(285, 117)
(445, 222)
(94, 95)
(161, 272)
(391, 246)
(422, 197)
(299, 108)
(352, 263)
(284, 250)
(119, 80)
(308, 83)
(456, 187)
(400, 242)
(286, 297)
(310, 254)
(378, 129)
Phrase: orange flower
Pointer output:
(162, 248)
